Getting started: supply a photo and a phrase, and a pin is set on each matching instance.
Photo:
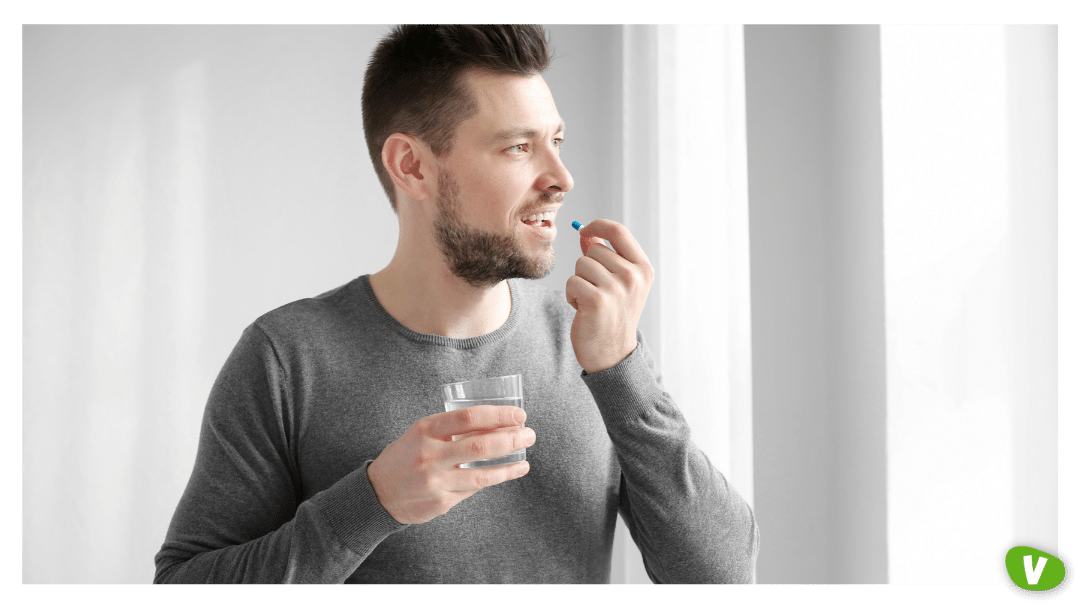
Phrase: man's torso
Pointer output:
(357, 380)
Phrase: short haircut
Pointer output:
(414, 82)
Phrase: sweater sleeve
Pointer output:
(690, 524)
(240, 519)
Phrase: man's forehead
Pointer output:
(510, 105)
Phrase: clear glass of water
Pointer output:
(504, 390)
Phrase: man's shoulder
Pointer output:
(312, 314)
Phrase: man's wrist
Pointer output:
(603, 368)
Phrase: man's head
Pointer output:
(415, 81)
(473, 183)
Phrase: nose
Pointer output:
(556, 178)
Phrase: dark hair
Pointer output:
(414, 83)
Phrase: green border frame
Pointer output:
(559, 11)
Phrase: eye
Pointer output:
(558, 142)
(517, 148)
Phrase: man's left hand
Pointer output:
(608, 290)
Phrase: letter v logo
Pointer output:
(1033, 575)
(1034, 570)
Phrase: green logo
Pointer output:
(1034, 570)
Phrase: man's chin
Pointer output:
(485, 260)
(539, 274)
(541, 265)
(534, 271)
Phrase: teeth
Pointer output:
(550, 215)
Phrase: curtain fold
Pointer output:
(684, 185)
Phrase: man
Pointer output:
(325, 454)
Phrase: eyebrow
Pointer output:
(521, 133)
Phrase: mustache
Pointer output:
(545, 198)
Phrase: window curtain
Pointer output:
(969, 125)
(684, 193)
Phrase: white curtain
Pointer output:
(684, 185)
(969, 119)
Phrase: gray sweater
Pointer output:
(316, 389)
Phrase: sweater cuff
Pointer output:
(625, 392)
(355, 513)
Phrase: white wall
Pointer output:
(817, 302)
(179, 182)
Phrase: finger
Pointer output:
(475, 418)
(493, 444)
(611, 261)
(579, 291)
(470, 434)
(471, 480)
(594, 271)
(587, 243)
(619, 236)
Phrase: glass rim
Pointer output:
(480, 380)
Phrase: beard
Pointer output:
(484, 259)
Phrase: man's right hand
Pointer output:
(416, 478)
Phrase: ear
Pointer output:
(406, 159)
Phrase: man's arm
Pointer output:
(690, 525)
(241, 519)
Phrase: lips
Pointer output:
(538, 215)
(542, 228)
(539, 222)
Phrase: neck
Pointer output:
(421, 293)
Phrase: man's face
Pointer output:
(504, 168)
